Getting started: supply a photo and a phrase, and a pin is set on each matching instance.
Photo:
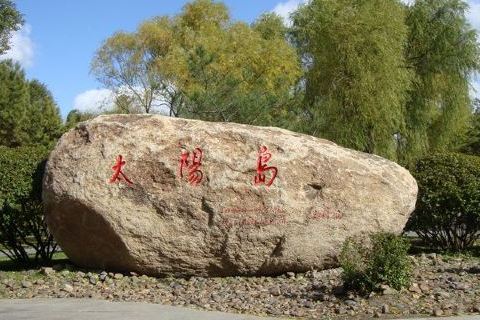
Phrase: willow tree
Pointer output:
(443, 51)
(201, 64)
(356, 76)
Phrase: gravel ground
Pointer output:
(441, 286)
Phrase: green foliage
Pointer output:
(75, 117)
(21, 211)
(14, 103)
(270, 26)
(19, 175)
(28, 113)
(386, 78)
(45, 123)
(356, 77)
(10, 20)
(200, 64)
(447, 215)
(472, 143)
(444, 52)
(383, 261)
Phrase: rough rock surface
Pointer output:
(215, 220)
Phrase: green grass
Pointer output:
(9, 265)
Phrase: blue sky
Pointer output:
(60, 37)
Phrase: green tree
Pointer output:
(45, 124)
(356, 76)
(28, 113)
(472, 144)
(14, 103)
(270, 26)
(444, 52)
(75, 116)
(200, 64)
(10, 21)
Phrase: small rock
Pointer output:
(350, 303)
(340, 310)
(93, 280)
(385, 309)
(118, 276)
(476, 308)
(80, 274)
(424, 287)
(275, 291)
(40, 281)
(448, 312)
(415, 288)
(47, 271)
(389, 291)
(438, 312)
(68, 288)
(26, 284)
(291, 274)
(377, 315)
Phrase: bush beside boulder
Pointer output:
(21, 211)
(447, 215)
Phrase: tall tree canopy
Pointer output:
(356, 75)
(443, 51)
(28, 113)
(10, 20)
(201, 64)
(45, 124)
(14, 103)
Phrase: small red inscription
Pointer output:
(195, 175)
(118, 171)
(263, 157)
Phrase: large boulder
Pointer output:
(160, 195)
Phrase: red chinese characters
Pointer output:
(118, 174)
(263, 157)
(195, 175)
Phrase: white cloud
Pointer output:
(94, 101)
(102, 100)
(21, 47)
(284, 9)
(474, 14)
